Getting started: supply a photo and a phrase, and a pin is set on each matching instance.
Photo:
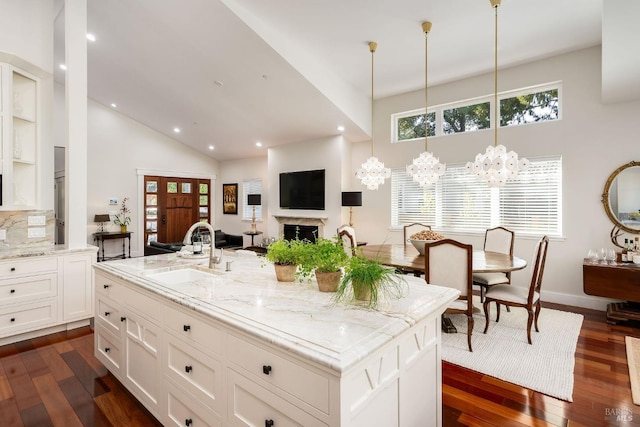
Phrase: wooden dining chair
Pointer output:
(415, 227)
(449, 263)
(347, 234)
(500, 240)
(517, 296)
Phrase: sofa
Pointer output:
(222, 240)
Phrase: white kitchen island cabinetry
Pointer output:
(241, 349)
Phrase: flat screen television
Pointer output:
(302, 190)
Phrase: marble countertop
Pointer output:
(48, 250)
(293, 316)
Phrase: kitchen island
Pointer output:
(201, 347)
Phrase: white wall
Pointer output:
(594, 139)
(235, 172)
(118, 148)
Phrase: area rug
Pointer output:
(633, 360)
(504, 353)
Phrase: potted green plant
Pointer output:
(122, 218)
(327, 257)
(286, 255)
(368, 281)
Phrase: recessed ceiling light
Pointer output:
(340, 128)
(218, 83)
(63, 67)
(176, 130)
(211, 147)
(258, 144)
(113, 105)
(91, 37)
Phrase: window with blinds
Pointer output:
(251, 186)
(529, 205)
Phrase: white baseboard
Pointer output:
(584, 301)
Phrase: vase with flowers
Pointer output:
(122, 218)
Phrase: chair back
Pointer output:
(347, 234)
(537, 266)
(500, 240)
(409, 229)
(449, 263)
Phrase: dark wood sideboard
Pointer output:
(620, 281)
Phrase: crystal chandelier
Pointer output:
(495, 166)
(372, 173)
(426, 169)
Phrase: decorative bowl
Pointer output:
(419, 244)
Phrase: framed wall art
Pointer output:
(230, 199)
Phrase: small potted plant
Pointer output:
(122, 218)
(328, 258)
(286, 255)
(368, 281)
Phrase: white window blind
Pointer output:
(251, 186)
(530, 204)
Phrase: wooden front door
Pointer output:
(172, 205)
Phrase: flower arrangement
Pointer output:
(122, 218)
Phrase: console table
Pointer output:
(252, 234)
(110, 235)
(619, 281)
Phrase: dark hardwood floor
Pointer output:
(56, 381)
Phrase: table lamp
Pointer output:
(254, 200)
(351, 199)
(101, 219)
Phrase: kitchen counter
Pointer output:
(240, 348)
(295, 316)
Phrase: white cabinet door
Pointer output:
(77, 288)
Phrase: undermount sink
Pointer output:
(182, 275)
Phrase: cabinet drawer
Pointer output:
(31, 266)
(28, 288)
(27, 317)
(196, 372)
(194, 330)
(252, 405)
(108, 286)
(183, 410)
(290, 376)
(107, 348)
(110, 314)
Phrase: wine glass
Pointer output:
(593, 256)
(603, 256)
(611, 256)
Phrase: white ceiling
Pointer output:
(293, 70)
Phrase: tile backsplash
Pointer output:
(26, 231)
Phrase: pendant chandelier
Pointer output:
(426, 169)
(496, 165)
(372, 173)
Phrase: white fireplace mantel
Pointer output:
(301, 220)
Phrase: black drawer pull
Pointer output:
(13, 319)
(122, 319)
(105, 286)
(13, 269)
(186, 328)
(188, 422)
(12, 291)
(266, 369)
(107, 313)
(268, 423)
(107, 349)
(188, 368)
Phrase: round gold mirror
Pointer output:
(621, 197)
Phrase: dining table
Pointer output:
(407, 258)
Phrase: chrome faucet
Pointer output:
(187, 241)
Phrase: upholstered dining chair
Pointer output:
(409, 229)
(500, 240)
(348, 236)
(517, 296)
(449, 263)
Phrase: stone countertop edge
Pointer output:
(426, 300)
(37, 251)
